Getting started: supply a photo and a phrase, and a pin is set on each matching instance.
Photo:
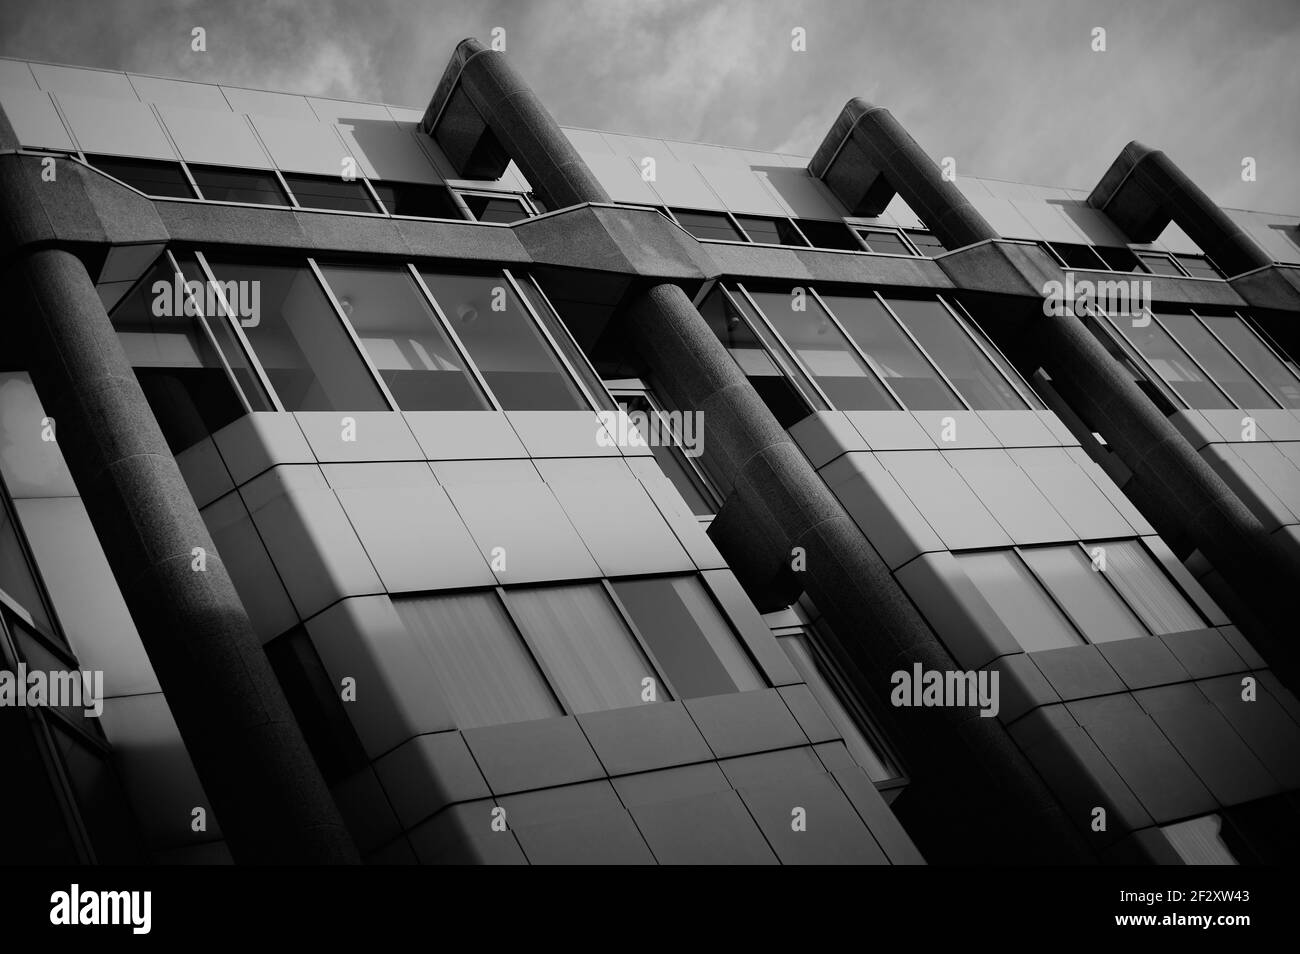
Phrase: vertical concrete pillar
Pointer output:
(967, 774)
(265, 787)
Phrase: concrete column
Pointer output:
(967, 774)
(265, 787)
(1143, 191)
(483, 114)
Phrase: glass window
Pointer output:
(927, 243)
(1078, 256)
(304, 349)
(486, 673)
(1173, 364)
(764, 231)
(878, 766)
(505, 344)
(404, 339)
(591, 656)
(823, 234)
(1250, 349)
(672, 461)
(688, 635)
(884, 241)
(487, 208)
(737, 335)
(254, 186)
(1018, 600)
(328, 192)
(892, 354)
(708, 225)
(1119, 259)
(826, 353)
(1198, 266)
(1217, 361)
(948, 345)
(178, 368)
(17, 578)
(1147, 589)
(420, 201)
(149, 176)
(1158, 263)
(1092, 604)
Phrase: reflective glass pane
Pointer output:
(884, 242)
(308, 356)
(1173, 364)
(1226, 370)
(672, 461)
(177, 366)
(422, 201)
(592, 657)
(823, 234)
(16, 576)
(766, 231)
(825, 352)
(688, 636)
(1150, 593)
(325, 192)
(708, 225)
(220, 184)
(486, 673)
(149, 176)
(892, 354)
(947, 344)
(1257, 356)
(487, 208)
(505, 344)
(1093, 605)
(1159, 264)
(1019, 600)
(404, 339)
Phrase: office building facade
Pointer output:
(444, 485)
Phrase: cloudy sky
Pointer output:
(1012, 90)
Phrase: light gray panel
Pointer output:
(313, 546)
(257, 441)
(690, 532)
(201, 96)
(380, 474)
(526, 521)
(282, 105)
(16, 76)
(388, 150)
(1096, 226)
(216, 138)
(703, 154)
(35, 120)
(562, 433)
(483, 471)
(1018, 428)
(680, 184)
(380, 435)
(890, 430)
(85, 594)
(968, 430)
(115, 127)
(156, 771)
(621, 178)
(364, 639)
(343, 111)
(880, 508)
(206, 476)
(72, 80)
(1004, 218)
(464, 435)
(414, 538)
(740, 190)
(825, 435)
(1010, 496)
(621, 527)
(1049, 221)
(802, 195)
(303, 146)
(945, 501)
(250, 567)
(1071, 492)
(30, 466)
(587, 141)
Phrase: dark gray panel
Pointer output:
(744, 722)
(428, 773)
(1265, 726)
(1143, 663)
(667, 785)
(713, 829)
(463, 835)
(1077, 671)
(1204, 653)
(526, 755)
(641, 738)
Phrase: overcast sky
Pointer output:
(1012, 90)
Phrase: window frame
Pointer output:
(896, 233)
(635, 388)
